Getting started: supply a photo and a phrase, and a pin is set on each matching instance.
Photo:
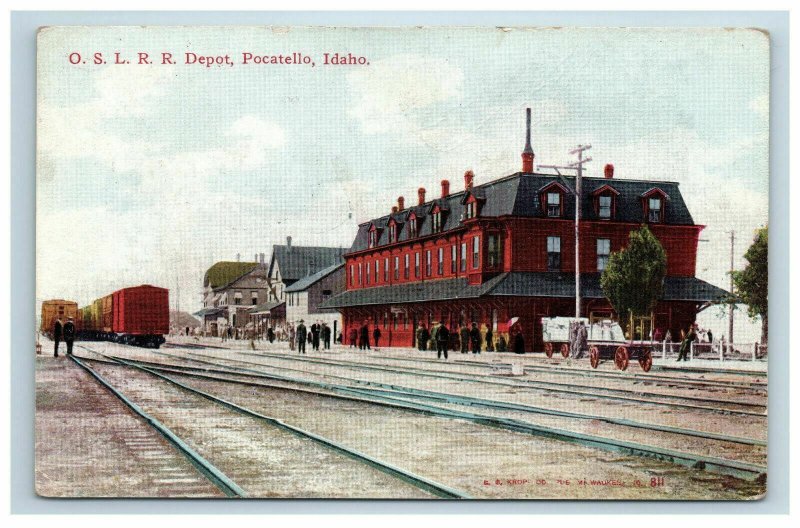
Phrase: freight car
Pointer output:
(134, 316)
(57, 309)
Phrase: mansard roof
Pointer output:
(518, 195)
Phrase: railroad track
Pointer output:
(671, 381)
(225, 483)
(403, 396)
(626, 395)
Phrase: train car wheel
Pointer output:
(621, 358)
(565, 350)
(646, 359)
(548, 349)
(594, 356)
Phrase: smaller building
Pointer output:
(304, 297)
(289, 264)
(230, 290)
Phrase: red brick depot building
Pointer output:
(503, 249)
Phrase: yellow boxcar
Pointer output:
(57, 309)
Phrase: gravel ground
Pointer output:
(89, 444)
(732, 425)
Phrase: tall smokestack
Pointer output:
(608, 171)
(401, 203)
(527, 153)
(421, 195)
(469, 179)
(445, 188)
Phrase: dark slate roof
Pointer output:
(432, 290)
(521, 284)
(264, 307)
(223, 273)
(208, 311)
(518, 195)
(306, 282)
(300, 261)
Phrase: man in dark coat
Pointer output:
(364, 342)
(57, 335)
(316, 329)
(326, 336)
(424, 336)
(376, 335)
(301, 337)
(69, 335)
(353, 337)
(475, 339)
(489, 339)
(686, 344)
(463, 335)
(519, 343)
(442, 339)
(270, 334)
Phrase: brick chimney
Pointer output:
(421, 195)
(527, 153)
(401, 203)
(608, 171)
(445, 188)
(469, 179)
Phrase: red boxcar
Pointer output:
(141, 315)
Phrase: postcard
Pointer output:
(402, 263)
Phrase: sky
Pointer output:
(151, 173)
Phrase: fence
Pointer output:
(714, 351)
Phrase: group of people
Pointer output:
(65, 331)
(359, 337)
(317, 333)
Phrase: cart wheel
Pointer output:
(646, 359)
(594, 356)
(548, 349)
(621, 358)
(565, 350)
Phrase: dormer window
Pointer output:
(412, 226)
(604, 206)
(437, 221)
(553, 204)
(392, 233)
(654, 210)
(472, 209)
(654, 203)
(551, 199)
(373, 237)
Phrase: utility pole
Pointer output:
(578, 166)
(730, 306)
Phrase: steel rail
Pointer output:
(417, 481)
(206, 468)
(714, 464)
(398, 390)
(521, 384)
(568, 371)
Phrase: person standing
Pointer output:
(424, 336)
(69, 335)
(316, 329)
(475, 339)
(376, 335)
(326, 336)
(489, 339)
(442, 340)
(364, 342)
(463, 335)
(57, 334)
(581, 340)
(292, 337)
(353, 337)
(301, 337)
(686, 344)
(519, 342)
(270, 335)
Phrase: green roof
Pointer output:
(223, 273)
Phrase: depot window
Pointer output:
(553, 253)
(440, 262)
(603, 252)
(237, 298)
(377, 271)
(654, 210)
(392, 233)
(463, 266)
(493, 251)
(412, 227)
(476, 252)
(386, 269)
(437, 221)
(428, 263)
(553, 204)
(396, 268)
(416, 264)
(453, 258)
(405, 268)
(253, 298)
(373, 238)
(471, 210)
(359, 274)
(368, 273)
(604, 206)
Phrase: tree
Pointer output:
(633, 279)
(751, 282)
